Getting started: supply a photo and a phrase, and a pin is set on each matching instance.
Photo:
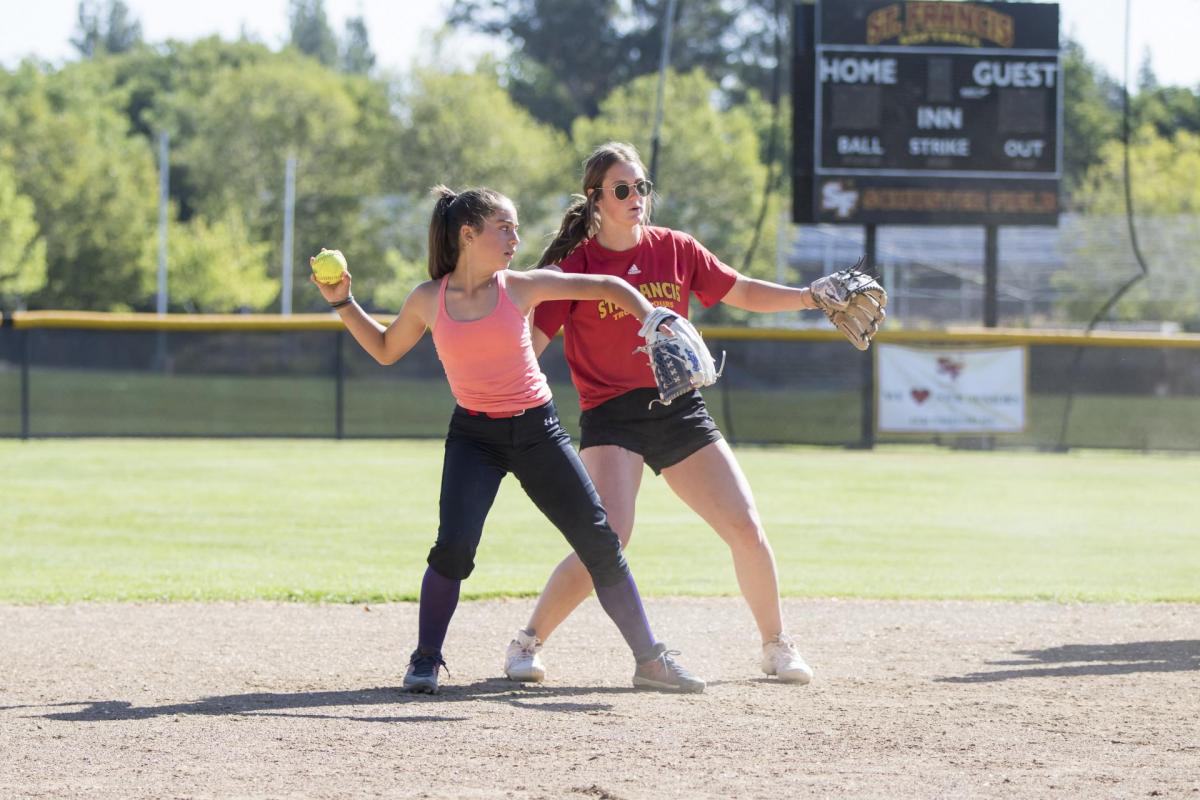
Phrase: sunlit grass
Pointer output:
(353, 521)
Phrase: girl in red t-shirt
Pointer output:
(606, 232)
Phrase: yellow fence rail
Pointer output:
(89, 320)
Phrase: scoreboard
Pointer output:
(927, 113)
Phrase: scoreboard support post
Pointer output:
(991, 269)
(871, 242)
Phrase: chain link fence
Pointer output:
(141, 375)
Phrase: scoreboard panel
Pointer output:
(927, 112)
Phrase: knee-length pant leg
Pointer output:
(553, 476)
(471, 475)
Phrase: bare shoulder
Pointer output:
(425, 292)
(422, 300)
(523, 287)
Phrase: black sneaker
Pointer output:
(422, 674)
(663, 673)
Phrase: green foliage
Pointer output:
(242, 131)
(1091, 113)
(157, 89)
(462, 129)
(767, 124)
(367, 152)
(80, 143)
(1169, 109)
(310, 31)
(22, 249)
(217, 267)
(91, 183)
(1166, 198)
(1165, 175)
(198, 91)
(564, 52)
(568, 55)
(763, 117)
(1146, 79)
(710, 178)
(356, 54)
(312, 35)
(405, 275)
(110, 28)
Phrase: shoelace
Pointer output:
(431, 662)
(787, 655)
(670, 662)
(528, 650)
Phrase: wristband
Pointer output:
(349, 299)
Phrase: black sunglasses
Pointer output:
(621, 190)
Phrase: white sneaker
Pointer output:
(522, 662)
(782, 659)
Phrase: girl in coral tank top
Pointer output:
(504, 420)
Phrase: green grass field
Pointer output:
(352, 521)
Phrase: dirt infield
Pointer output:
(910, 700)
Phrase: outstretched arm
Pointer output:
(542, 285)
(386, 345)
(753, 294)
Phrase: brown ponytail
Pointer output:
(450, 212)
(581, 220)
(579, 223)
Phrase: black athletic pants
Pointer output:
(480, 451)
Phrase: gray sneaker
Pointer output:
(662, 672)
(422, 674)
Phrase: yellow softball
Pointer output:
(329, 265)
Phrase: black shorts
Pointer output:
(662, 435)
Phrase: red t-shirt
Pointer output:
(667, 266)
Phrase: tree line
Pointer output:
(78, 145)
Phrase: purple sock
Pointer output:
(623, 604)
(439, 598)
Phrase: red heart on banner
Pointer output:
(920, 395)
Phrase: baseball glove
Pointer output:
(854, 302)
(680, 360)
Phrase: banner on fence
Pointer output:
(935, 390)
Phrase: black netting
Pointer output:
(320, 383)
(779, 391)
(135, 383)
(10, 381)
